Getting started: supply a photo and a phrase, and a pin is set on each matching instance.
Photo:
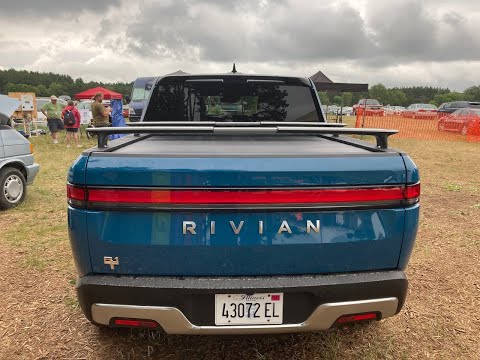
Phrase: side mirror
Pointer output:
(128, 99)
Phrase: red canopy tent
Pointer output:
(107, 94)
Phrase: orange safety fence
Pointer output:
(426, 126)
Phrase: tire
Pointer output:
(13, 188)
(441, 126)
(464, 130)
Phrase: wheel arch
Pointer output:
(16, 165)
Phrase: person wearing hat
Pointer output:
(99, 112)
(53, 111)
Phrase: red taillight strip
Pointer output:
(412, 192)
(76, 193)
(245, 197)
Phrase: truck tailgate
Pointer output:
(243, 206)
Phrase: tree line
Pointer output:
(402, 96)
(46, 84)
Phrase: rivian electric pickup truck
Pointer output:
(233, 207)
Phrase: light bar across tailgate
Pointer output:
(111, 198)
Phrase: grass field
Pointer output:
(40, 318)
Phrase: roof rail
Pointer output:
(381, 135)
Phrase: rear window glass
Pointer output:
(369, 102)
(426, 106)
(140, 93)
(240, 101)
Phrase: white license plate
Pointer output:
(254, 309)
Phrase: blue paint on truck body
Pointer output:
(152, 242)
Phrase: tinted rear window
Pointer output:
(183, 100)
(369, 102)
(426, 106)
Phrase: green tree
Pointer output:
(397, 97)
(449, 97)
(57, 89)
(379, 92)
(337, 100)
(42, 90)
(347, 99)
(473, 92)
(20, 88)
(323, 98)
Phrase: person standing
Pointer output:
(99, 112)
(53, 111)
(214, 108)
(71, 119)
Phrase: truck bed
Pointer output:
(242, 146)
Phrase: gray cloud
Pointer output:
(225, 31)
(407, 31)
(400, 42)
(403, 31)
(52, 8)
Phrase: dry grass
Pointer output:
(40, 318)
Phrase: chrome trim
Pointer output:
(173, 321)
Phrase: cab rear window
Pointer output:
(214, 100)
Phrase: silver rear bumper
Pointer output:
(173, 321)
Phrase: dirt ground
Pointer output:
(40, 317)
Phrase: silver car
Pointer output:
(17, 165)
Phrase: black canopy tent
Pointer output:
(323, 83)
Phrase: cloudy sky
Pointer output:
(395, 42)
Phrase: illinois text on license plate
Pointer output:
(254, 309)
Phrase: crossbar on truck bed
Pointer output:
(235, 123)
(381, 135)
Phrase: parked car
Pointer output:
(372, 107)
(460, 120)
(17, 166)
(140, 93)
(333, 109)
(127, 111)
(450, 107)
(394, 110)
(347, 110)
(67, 98)
(421, 111)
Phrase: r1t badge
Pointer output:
(108, 260)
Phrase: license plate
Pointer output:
(254, 309)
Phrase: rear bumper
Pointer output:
(186, 305)
(32, 171)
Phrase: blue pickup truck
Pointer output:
(266, 219)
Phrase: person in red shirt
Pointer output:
(72, 130)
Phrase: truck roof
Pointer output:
(291, 80)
